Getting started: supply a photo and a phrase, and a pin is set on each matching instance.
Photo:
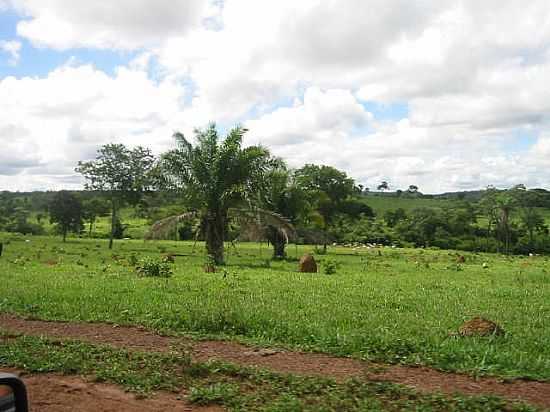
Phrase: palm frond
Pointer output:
(163, 228)
(256, 221)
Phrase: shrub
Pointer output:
(149, 266)
(330, 266)
(320, 251)
(25, 228)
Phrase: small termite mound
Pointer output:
(307, 264)
(479, 326)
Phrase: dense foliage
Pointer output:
(66, 212)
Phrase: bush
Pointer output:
(25, 228)
(330, 266)
(540, 244)
(320, 251)
(149, 266)
(132, 259)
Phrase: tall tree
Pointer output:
(488, 208)
(530, 218)
(383, 186)
(92, 209)
(412, 189)
(66, 211)
(498, 207)
(506, 204)
(214, 177)
(532, 221)
(121, 173)
(327, 189)
(283, 196)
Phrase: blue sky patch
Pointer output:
(38, 62)
(521, 141)
(387, 111)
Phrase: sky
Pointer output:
(445, 95)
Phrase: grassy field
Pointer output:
(398, 307)
(136, 226)
(381, 204)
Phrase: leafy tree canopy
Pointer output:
(66, 211)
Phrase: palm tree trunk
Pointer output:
(325, 238)
(506, 227)
(215, 227)
(489, 226)
(278, 240)
(113, 220)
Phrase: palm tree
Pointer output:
(383, 186)
(219, 179)
(505, 204)
(282, 195)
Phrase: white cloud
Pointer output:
(267, 49)
(437, 159)
(438, 57)
(18, 151)
(48, 124)
(121, 24)
(321, 116)
(472, 74)
(12, 49)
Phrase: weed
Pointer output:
(219, 393)
(152, 267)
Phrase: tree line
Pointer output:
(217, 190)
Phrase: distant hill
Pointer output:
(381, 202)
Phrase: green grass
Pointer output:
(136, 226)
(399, 307)
(236, 388)
(381, 204)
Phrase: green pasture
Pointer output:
(391, 305)
(136, 226)
(381, 204)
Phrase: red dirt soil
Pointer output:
(420, 378)
(59, 393)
